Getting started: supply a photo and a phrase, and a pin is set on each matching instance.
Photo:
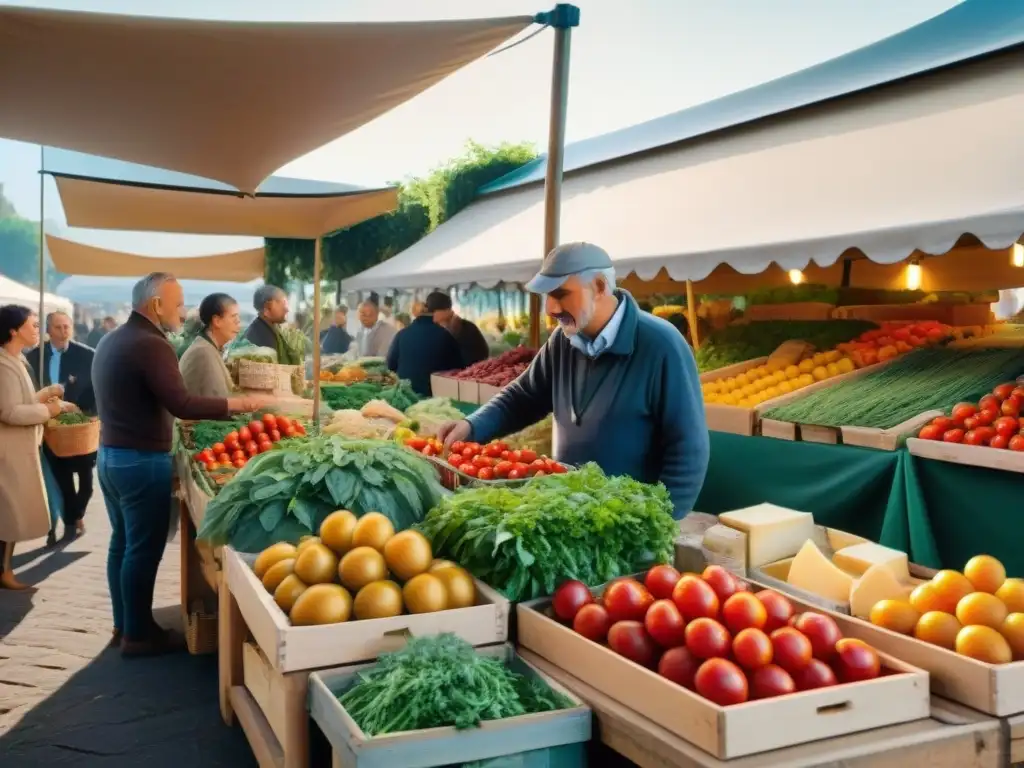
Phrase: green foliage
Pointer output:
(19, 247)
(423, 204)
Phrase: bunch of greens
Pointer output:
(352, 397)
(580, 525)
(441, 681)
(292, 345)
(436, 409)
(241, 349)
(71, 419)
(285, 493)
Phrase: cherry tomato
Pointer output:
(514, 475)
(516, 457)
(416, 443)
(236, 455)
(223, 458)
(468, 452)
(263, 438)
(520, 467)
(502, 446)
(244, 435)
(931, 432)
(457, 446)
(256, 427)
(1016, 443)
(283, 422)
(486, 473)
(206, 456)
(953, 436)
(218, 449)
(469, 469)
(539, 464)
(502, 468)
(558, 469)
(999, 441)
(209, 466)
(528, 456)
(269, 421)
(290, 431)
(275, 435)
(299, 429)
(265, 446)
(429, 451)
(231, 436)
(506, 455)
(251, 447)
(239, 463)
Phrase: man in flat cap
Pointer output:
(622, 384)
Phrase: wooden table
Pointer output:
(200, 564)
(954, 737)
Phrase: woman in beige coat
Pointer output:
(202, 366)
(24, 514)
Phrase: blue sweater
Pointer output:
(636, 409)
(422, 349)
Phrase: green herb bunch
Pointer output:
(581, 525)
(442, 681)
(355, 396)
(72, 418)
(286, 493)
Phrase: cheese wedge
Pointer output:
(859, 558)
(877, 583)
(773, 533)
(812, 572)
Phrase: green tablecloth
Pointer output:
(941, 514)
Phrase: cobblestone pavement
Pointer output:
(65, 699)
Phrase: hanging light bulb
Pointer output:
(796, 276)
(913, 276)
(1017, 255)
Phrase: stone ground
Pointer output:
(65, 699)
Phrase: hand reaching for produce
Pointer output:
(453, 431)
(54, 391)
(249, 403)
(66, 407)
(53, 406)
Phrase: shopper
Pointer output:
(202, 366)
(139, 392)
(472, 343)
(271, 305)
(422, 349)
(336, 340)
(374, 336)
(23, 411)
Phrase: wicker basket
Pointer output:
(69, 440)
(265, 377)
(201, 632)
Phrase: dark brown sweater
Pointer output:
(139, 390)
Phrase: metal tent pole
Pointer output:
(42, 268)
(562, 18)
(316, 336)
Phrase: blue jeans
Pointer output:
(136, 487)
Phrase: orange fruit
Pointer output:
(951, 586)
(1012, 594)
(938, 628)
(983, 644)
(1013, 631)
(897, 615)
(926, 597)
(981, 608)
(986, 573)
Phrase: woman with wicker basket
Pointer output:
(24, 513)
(202, 366)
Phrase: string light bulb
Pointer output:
(1017, 255)
(796, 276)
(913, 276)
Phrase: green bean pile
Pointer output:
(925, 380)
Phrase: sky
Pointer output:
(630, 62)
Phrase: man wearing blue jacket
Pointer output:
(622, 384)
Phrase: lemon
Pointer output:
(806, 366)
(819, 359)
(792, 371)
(729, 399)
(832, 355)
(845, 365)
(820, 373)
(833, 369)
(806, 380)
(771, 392)
(785, 387)
(730, 384)
(742, 380)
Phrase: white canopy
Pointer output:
(231, 101)
(910, 166)
(12, 292)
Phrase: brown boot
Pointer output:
(156, 645)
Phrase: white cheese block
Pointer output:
(813, 572)
(773, 533)
(877, 583)
(858, 558)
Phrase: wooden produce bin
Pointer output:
(487, 391)
(265, 661)
(736, 731)
(797, 310)
(952, 737)
(971, 455)
(942, 312)
(432, 747)
(444, 386)
(469, 391)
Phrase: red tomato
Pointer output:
(752, 649)
(791, 650)
(817, 674)
(660, 581)
(209, 466)
(236, 455)
(455, 460)
(742, 611)
(973, 438)
(256, 427)
(665, 624)
(695, 598)
(231, 436)
(416, 443)
(274, 435)
(541, 474)
(1010, 407)
(822, 631)
(480, 461)
(630, 639)
(469, 469)
(515, 474)
(1016, 443)
(930, 432)
(990, 402)
(516, 457)
(485, 473)
(206, 455)
(1003, 391)
(680, 666)
(269, 421)
(944, 423)
(999, 441)
(521, 468)
(299, 429)
(251, 447)
(987, 416)
(539, 465)
(428, 450)
(468, 453)
(289, 431)
(722, 682)
(244, 435)
(962, 410)
(263, 437)
(856, 660)
(1007, 426)
(502, 468)
(457, 446)
(500, 445)
(223, 458)
(492, 451)
(527, 456)
(971, 423)
(283, 422)
(626, 600)
(706, 638)
(569, 598)
(720, 580)
(239, 463)
(592, 622)
(770, 681)
(265, 446)
(953, 436)
(218, 449)
(505, 455)
(559, 469)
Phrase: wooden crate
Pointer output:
(199, 563)
(265, 662)
(971, 455)
(728, 732)
(487, 391)
(442, 746)
(443, 386)
(469, 391)
(797, 310)
(1015, 740)
(953, 737)
(942, 312)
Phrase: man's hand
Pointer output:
(53, 406)
(54, 391)
(452, 432)
(249, 403)
(66, 407)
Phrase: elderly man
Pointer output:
(68, 363)
(374, 336)
(622, 384)
(472, 343)
(336, 339)
(139, 392)
(271, 305)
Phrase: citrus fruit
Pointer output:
(1013, 631)
(819, 373)
(982, 609)
(896, 615)
(983, 644)
(926, 597)
(938, 628)
(986, 573)
(951, 587)
(1012, 594)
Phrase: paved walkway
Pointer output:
(67, 700)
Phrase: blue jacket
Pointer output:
(422, 349)
(635, 410)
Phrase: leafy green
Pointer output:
(580, 525)
(440, 681)
(71, 419)
(286, 493)
(352, 397)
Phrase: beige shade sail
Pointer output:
(231, 101)
(73, 258)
